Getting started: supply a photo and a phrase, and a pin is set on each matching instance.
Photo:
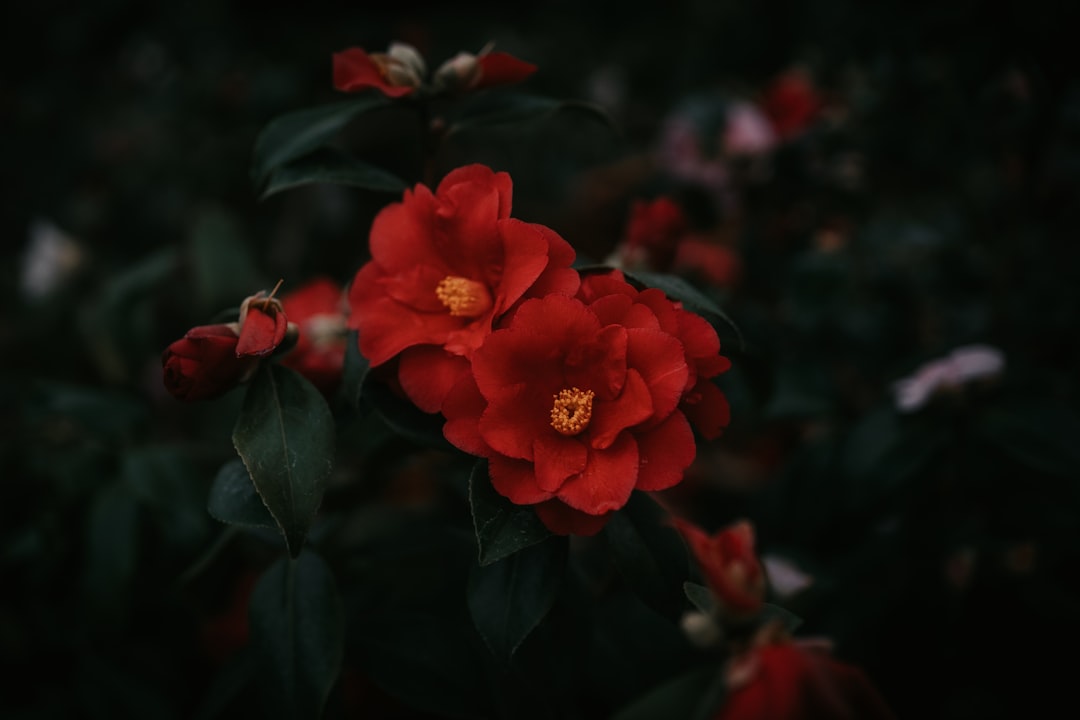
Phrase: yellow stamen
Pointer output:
(463, 297)
(572, 410)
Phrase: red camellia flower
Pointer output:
(653, 233)
(792, 102)
(445, 266)
(318, 309)
(263, 325)
(394, 73)
(617, 301)
(574, 412)
(730, 567)
(790, 681)
(204, 363)
(401, 70)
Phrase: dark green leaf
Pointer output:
(297, 626)
(649, 553)
(234, 500)
(502, 528)
(354, 372)
(490, 109)
(770, 612)
(285, 436)
(509, 598)
(404, 417)
(694, 695)
(327, 165)
(296, 134)
(701, 597)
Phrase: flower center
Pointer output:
(463, 297)
(572, 410)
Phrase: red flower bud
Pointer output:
(263, 325)
(730, 567)
(203, 364)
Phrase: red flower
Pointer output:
(573, 412)
(791, 102)
(787, 681)
(263, 325)
(394, 73)
(445, 267)
(318, 309)
(204, 364)
(617, 301)
(713, 263)
(401, 70)
(653, 232)
(730, 567)
(467, 72)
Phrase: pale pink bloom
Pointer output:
(962, 365)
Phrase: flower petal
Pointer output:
(354, 70)
(665, 452)
(516, 481)
(707, 409)
(262, 331)
(556, 458)
(660, 359)
(632, 406)
(427, 373)
(607, 480)
(499, 68)
(463, 407)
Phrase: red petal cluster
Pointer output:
(445, 268)
(788, 681)
(356, 70)
(729, 564)
(210, 360)
(204, 363)
(616, 301)
(621, 375)
(318, 309)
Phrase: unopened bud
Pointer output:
(459, 72)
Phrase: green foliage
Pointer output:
(502, 528)
(285, 436)
(297, 626)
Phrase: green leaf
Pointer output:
(298, 627)
(297, 133)
(234, 500)
(701, 597)
(1037, 434)
(492, 109)
(502, 528)
(327, 165)
(694, 695)
(354, 372)
(649, 553)
(285, 436)
(509, 598)
(677, 288)
(770, 612)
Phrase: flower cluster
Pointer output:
(309, 324)
(401, 71)
(577, 390)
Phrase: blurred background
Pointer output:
(865, 189)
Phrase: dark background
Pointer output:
(130, 127)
